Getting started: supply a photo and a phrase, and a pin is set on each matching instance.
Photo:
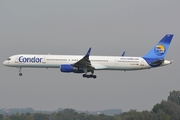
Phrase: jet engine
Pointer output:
(69, 68)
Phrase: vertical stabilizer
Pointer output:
(160, 49)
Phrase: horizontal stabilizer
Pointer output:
(157, 62)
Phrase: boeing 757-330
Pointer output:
(88, 64)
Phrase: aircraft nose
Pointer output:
(4, 63)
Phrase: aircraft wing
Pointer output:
(85, 63)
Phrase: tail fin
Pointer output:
(160, 49)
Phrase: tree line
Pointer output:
(166, 110)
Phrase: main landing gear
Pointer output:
(85, 75)
(20, 74)
(89, 76)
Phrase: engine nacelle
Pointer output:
(70, 68)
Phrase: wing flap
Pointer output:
(99, 66)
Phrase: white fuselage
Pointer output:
(98, 62)
(87, 63)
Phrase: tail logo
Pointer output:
(159, 50)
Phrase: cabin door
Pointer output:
(142, 63)
(44, 59)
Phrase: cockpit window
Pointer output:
(9, 59)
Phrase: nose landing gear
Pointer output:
(20, 74)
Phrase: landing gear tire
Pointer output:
(89, 76)
(20, 74)
(84, 75)
(94, 76)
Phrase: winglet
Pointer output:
(123, 53)
(88, 53)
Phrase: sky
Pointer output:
(71, 27)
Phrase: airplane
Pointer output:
(84, 64)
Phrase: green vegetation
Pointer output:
(174, 97)
(166, 110)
